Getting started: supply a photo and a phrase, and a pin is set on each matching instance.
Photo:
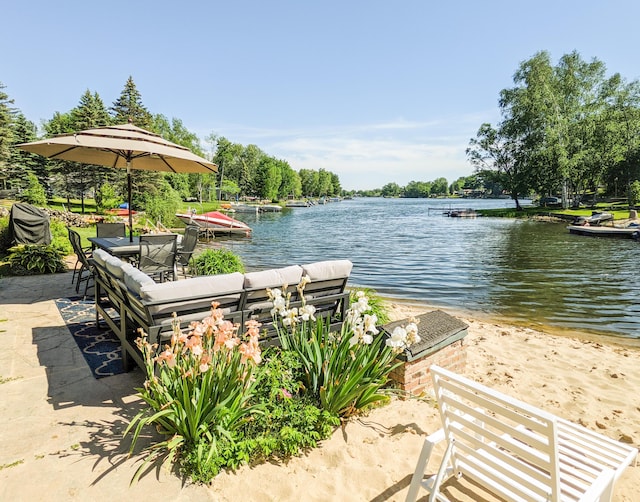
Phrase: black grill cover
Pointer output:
(29, 225)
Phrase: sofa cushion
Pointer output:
(100, 256)
(134, 279)
(195, 293)
(117, 267)
(274, 278)
(326, 270)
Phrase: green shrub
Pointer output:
(34, 193)
(290, 422)
(216, 261)
(163, 205)
(634, 193)
(60, 237)
(106, 197)
(5, 238)
(32, 259)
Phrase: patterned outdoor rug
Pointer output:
(99, 346)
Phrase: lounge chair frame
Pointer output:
(515, 450)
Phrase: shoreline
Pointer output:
(407, 307)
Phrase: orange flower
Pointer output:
(204, 362)
(253, 327)
(194, 344)
(250, 350)
(167, 357)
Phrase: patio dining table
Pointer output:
(121, 247)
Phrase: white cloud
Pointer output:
(367, 156)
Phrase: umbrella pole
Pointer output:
(129, 201)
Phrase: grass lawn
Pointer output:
(620, 212)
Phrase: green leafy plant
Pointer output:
(347, 371)
(197, 391)
(60, 237)
(216, 261)
(31, 259)
(376, 304)
(290, 421)
(163, 204)
(106, 197)
(34, 193)
(5, 238)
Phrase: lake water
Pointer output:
(532, 272)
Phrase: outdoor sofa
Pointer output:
(128, 299)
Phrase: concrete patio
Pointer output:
(61, 428)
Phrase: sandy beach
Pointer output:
(60, 438)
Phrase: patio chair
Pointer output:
(110, 230)
(157, 256)
(83, 257)
(187, 247)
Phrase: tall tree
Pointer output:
(91, 113)
(309, 179)
(227, 157)
(176, 132)
(291, 183)
(128, 108)
(22, 163)
(494, 151)
(6, 132)
(268, 178)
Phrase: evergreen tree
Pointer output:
(128, 108)
(22, 163)
(89, 114)
(6, 131)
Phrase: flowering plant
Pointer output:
(346, 370)
(197, 388)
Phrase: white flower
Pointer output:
(353, 317)
(367, 339)
(398, 338)
(307, 312)
(274, 293)
(370, 321)
(353, 340)
(412, 333)
(304, 281)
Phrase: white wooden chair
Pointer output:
(515, 450)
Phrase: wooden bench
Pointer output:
(515, 450)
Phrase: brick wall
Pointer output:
(414, 376)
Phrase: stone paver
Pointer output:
(60, 434)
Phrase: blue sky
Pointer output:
(374, 91)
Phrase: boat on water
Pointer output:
(461, 213)
(217, 222)
(297, 203)
(630, 232)
(596, 218)
(269, 208)
(245, 208)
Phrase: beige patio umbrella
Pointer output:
(125, 146)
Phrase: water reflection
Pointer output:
(530, 271)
